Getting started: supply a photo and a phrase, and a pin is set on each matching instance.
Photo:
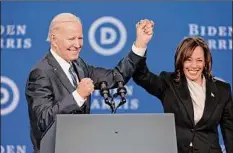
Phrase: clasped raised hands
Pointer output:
(144, 33)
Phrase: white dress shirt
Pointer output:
(198, 96)
(66, 65)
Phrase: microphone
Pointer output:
(121, 90)
(104, 92)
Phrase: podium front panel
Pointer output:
(118, 133)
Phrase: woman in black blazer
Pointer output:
(199, 102)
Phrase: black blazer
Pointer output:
(175, 98)
(49, 91)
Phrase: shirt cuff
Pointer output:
(80, 101)
(139, 51)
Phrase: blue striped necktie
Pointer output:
(73, 75)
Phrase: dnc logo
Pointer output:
(9, 95)
(107, 35)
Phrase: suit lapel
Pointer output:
(59, 73)
(211, 101)
(184, 96)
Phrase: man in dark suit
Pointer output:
(61, 83)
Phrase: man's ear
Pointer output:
(53, 40)
(53, 37)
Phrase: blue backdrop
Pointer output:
(109, 31)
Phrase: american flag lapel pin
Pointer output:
(212, 95)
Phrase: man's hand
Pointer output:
(85, 87)
(144, 30)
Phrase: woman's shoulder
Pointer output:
(220, 83)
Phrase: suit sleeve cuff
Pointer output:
(79, 100)
(139, 51)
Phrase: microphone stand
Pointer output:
(110, 103)
(104, 92)
(121, 90)
(122, 102)
(108, 99)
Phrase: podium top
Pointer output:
(116, 133)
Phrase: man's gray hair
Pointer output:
(61, 18)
